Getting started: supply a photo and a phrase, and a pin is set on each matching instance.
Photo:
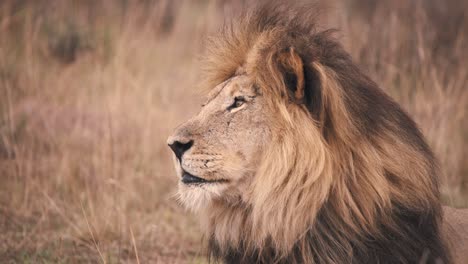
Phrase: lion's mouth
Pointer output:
(188, 178)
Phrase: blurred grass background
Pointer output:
(89, 91)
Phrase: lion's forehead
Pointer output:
(230, 86)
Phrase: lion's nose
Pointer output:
(179, 147)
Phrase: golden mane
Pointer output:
(349, 178)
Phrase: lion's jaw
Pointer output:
(219, 149)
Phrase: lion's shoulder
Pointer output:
(455, 231)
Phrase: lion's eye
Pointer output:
(238, 102)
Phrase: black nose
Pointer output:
(179, 148)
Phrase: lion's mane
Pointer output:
(348, 178)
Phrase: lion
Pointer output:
(298, 157)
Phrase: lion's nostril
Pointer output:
(180, 148)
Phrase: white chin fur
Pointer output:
(196, 197)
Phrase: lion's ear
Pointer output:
(292, 68)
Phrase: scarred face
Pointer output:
(217, 152)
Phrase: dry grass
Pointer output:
(89, 93)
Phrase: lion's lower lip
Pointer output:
(188, 178)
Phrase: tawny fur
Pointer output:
(346, 176)
(455, 232)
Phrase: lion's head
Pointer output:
(218, 151)
(298, 156)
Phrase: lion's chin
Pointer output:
(198, 196)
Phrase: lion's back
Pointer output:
(455, 230)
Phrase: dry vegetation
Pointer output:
(89, 93)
